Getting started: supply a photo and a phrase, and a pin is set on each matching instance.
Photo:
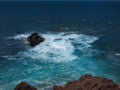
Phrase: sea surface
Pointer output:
(80, 38)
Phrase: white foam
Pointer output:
(18, 36)
(58, 47)
(117, 54)
(9, 57)
(21, 36)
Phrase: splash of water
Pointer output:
(59, 47)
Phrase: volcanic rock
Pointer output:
(89, 82)
(24, 86)
(35, 39)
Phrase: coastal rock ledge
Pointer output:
(24, 86)
(88, 82)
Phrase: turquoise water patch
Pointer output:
(61, 58)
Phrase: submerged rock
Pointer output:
(89, 82)
(35, 39)
(24, 86)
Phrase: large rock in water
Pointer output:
(89, 82)
(35, 39)
(24, 86)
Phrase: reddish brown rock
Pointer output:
(24, 86)
(89, 82)
(35, 39)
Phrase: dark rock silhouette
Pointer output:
(86, 82)
(35, 39)
(89, 82)
(24, 86)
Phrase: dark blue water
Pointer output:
(80, 38)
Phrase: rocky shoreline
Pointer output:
(86, 82)
(24, 86)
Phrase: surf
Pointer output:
(59, 47)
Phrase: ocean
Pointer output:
(80, 38)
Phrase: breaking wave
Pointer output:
(60, 47)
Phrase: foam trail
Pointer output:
(19, 36)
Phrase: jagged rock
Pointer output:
(89, 82)
(24, 86)
(35, 39)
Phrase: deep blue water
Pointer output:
(80, 38)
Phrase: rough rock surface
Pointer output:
(35, 39)
(89, 82)
(24, 86)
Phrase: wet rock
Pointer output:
(35, 39)
(89, 82)
(24, 86)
